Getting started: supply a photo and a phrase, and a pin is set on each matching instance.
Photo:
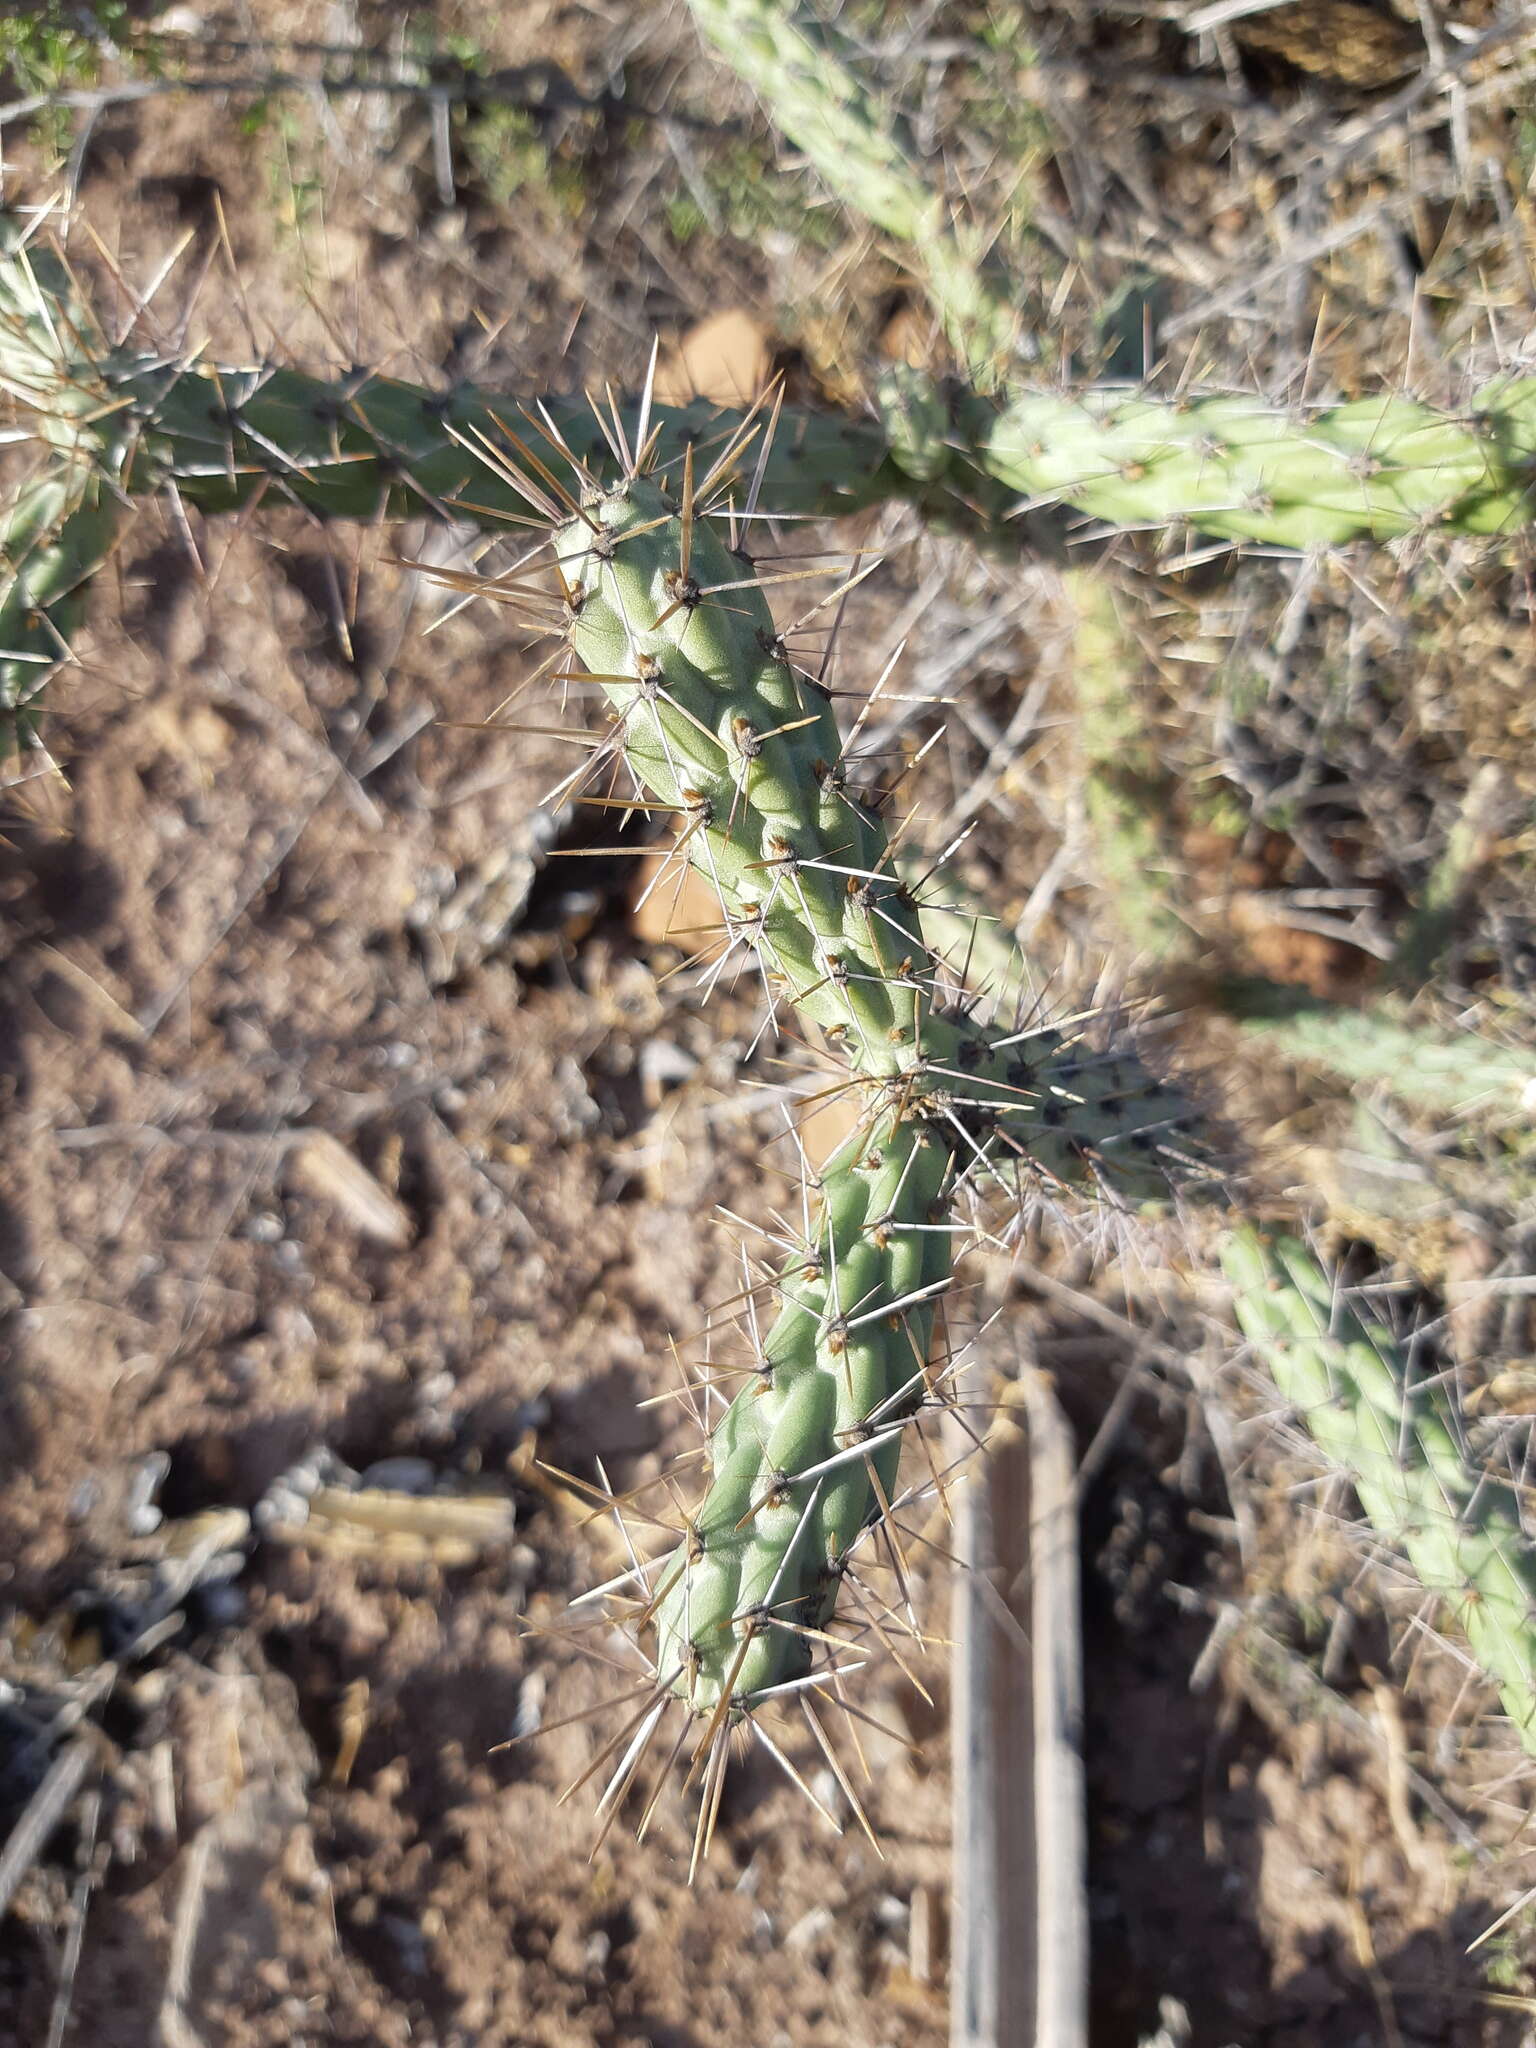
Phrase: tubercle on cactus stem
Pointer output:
(1462, 1529)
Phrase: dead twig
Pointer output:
(44, 1810)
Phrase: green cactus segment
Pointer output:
(361, 446)
(805, 1459)
(1126, 790)
(866, 154)
(1463, 1076)
(1246, 470)
(790, 59)
(54, 535)
(1461, 1530)
(367, 446)
(719, 724)
(59, 526)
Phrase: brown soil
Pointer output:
(342, 1122)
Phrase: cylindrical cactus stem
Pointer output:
(1125, 787)
(868, 156)
(367, 446)
(1461, 1530)
(805, 1458)
(59, 525)
(364, 445)
(1249, 470)
(719, 724)
(1459, 1075)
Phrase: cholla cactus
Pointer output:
(1230, 465)
(716, 722)
(368, 446)
(1461, 1530)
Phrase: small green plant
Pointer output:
(742, 192)
(291, 162)
(506, 151)
(1507, 1955)
(55, 46)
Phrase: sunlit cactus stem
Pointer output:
(368, 446)
(1232, 465)
(1248, 469)
(1461, 1530)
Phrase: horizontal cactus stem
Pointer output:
(1240, 468)
(1461, 1530)
(364, 447)
(373, 448)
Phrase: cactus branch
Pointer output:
(1461, 1530)
(1245, 469)
(55, 533)
(365, 445)
(869, 157)
(1233, 466)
